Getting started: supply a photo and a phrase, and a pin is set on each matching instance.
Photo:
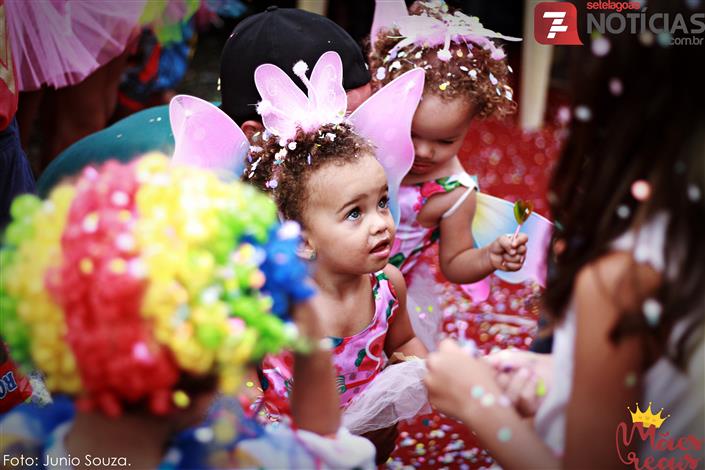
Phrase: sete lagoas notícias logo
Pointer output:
(556, 23)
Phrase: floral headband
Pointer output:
(429, 31)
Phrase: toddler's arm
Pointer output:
(461, 262)
(315, 403)
(401, 337)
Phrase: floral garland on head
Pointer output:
(437, 27)
(139, 273)
(457, 52)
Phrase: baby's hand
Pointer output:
(508, 255)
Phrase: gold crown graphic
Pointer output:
(647, 418)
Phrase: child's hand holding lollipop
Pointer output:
(508, 252)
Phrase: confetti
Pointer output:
(664, 39)
(487, 400)
(693, 193)
(477, 391)
(504, 434)
(444, 55)
(563, 115)
(583, 113)
(641, 190)
(600, 46)
(623, 211)
(646, 38)
(616, 87)
(540, 388)
(652, 311)
(630, 380)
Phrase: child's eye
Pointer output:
(383, 203)
(353, 214)
(447, 142)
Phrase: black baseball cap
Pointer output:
(282, 36)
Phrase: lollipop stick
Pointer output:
(516, 232)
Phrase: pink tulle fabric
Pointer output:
(58, 43)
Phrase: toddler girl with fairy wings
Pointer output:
(336, 177)
(449, 232)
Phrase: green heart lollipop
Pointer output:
(522, 211)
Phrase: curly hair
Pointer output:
(284, 171)
(471, 72)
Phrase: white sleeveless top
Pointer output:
(681, 395)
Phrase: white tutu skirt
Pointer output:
(396, 394)
(60, 42)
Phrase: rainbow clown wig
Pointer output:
(136, 278)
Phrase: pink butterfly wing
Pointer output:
(328, 95)
(385, 119)
(387, 14)
(286, 99)
(205, 136)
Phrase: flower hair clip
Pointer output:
(430, 31)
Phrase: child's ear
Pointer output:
(253, 131)
(306, 249)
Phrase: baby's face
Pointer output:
(438, 131)
(347, 218)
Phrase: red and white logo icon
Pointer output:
(556, 23)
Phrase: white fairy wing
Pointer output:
(495, 217)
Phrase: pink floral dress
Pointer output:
(415, 253)
(357, 359)
(373, 395)
(413, 238)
